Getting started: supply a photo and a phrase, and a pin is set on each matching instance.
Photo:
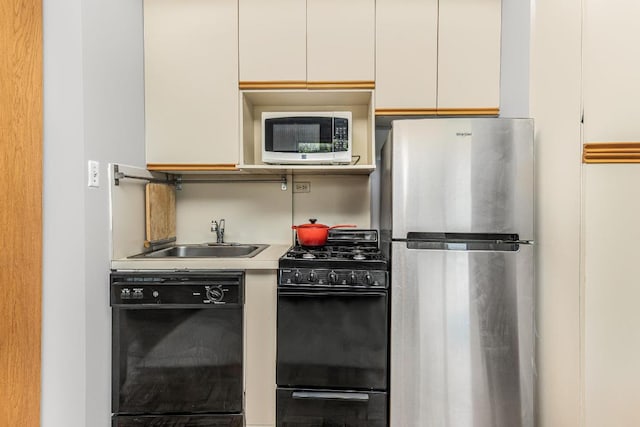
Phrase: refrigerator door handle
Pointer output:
(463, 237)
(464, 246)
(464, 241)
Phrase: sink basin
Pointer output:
(206, 251)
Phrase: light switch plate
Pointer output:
(93, 173)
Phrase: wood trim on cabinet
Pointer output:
(406, 111)
(468, 111)
(437, 111)
(192, 167)
(611, 152)
(347, 84)
(301, 84)
(273, 85)
(21, 139)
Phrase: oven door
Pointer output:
(332, 339)
(323, 408)
(177, 360)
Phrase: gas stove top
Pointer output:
(334, 253)
(344, 249)
(350, 258)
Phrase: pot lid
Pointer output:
(312, 224)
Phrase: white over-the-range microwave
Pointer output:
(319, 137)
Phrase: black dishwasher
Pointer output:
(177, 348)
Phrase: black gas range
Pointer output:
(333, 333)
(350, 259)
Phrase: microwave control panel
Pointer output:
(341, 134)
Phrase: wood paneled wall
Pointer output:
(20, 211)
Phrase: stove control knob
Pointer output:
(368, 279)
(297, 276)
(333, 278)
(214, 294)
(353, 279)
(313, 276)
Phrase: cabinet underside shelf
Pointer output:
(191, 167)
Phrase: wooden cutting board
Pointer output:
(160, 210)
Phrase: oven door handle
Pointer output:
(291, 293)
(330, 395)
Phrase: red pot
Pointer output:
(313, 234)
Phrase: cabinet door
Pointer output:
(611, 294)
(260, 354)
(340, 40)
(406, 54)
(611, 68)
(191, 81)
(273, 45)
(469, 54)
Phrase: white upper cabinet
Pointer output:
(438, 56)
(340, 40)
(273, 40)
(290, 43)
(406, 54)
(611, 69)
(469, 54)
(191, 82)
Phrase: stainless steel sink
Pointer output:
(206, 251)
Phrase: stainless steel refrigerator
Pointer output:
(457, 218)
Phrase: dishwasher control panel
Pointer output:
(183, 289)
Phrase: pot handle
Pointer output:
(342, 226)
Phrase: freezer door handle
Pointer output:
(330, 395)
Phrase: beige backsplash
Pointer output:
(253, 212)
(333, 199)
(263, 213)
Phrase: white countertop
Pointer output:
(265, 260)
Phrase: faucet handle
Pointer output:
(221, 225)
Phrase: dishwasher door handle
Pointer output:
(330, 395)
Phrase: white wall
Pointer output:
(555, 94)
(114, 132)
(63, 296)
(514, 66)
(94, 109)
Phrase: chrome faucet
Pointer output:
(218, 228)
